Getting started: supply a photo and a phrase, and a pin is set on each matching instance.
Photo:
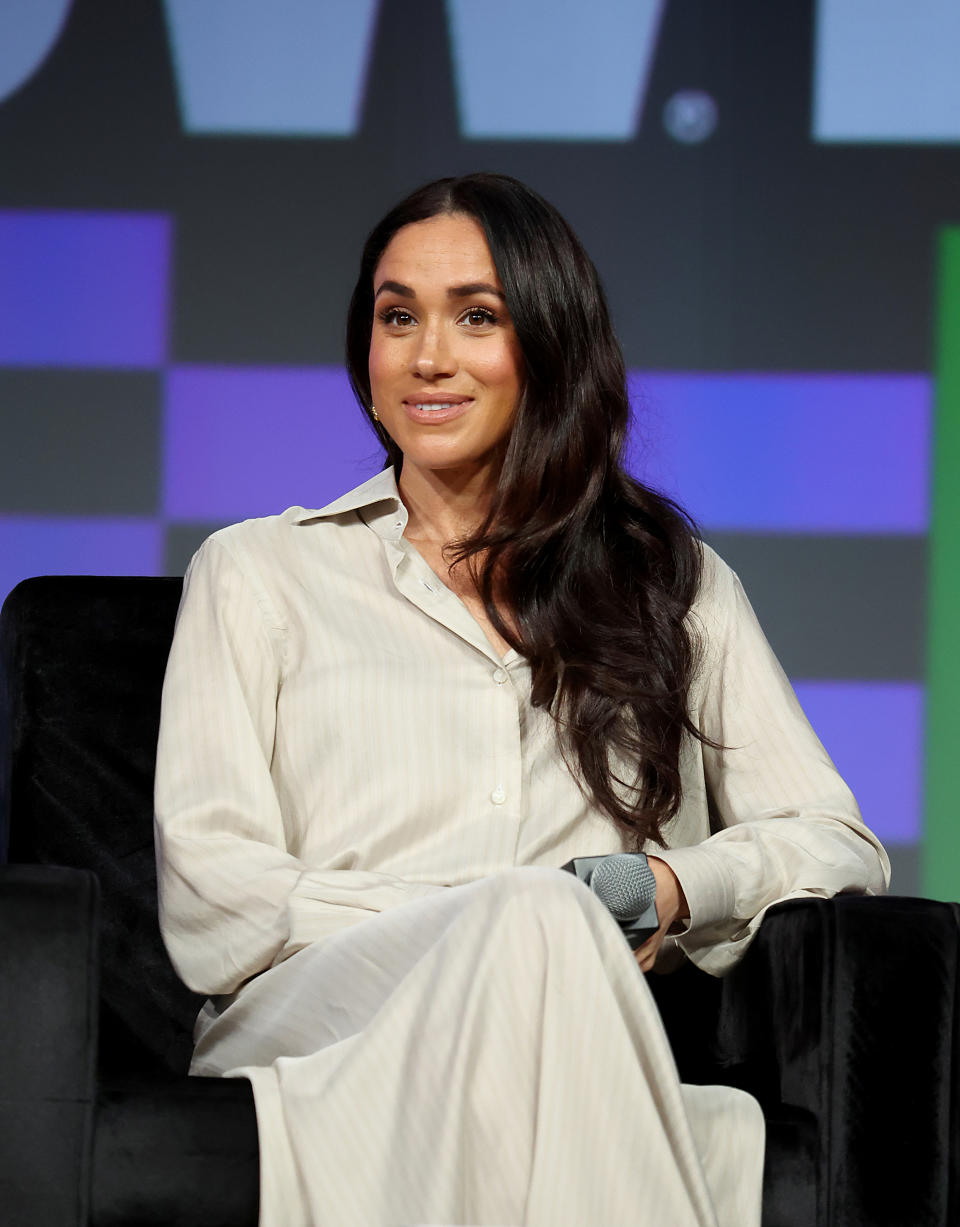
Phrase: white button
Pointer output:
(498, 796)
(500, 676)
(399, 524)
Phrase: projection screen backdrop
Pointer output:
(771, 193)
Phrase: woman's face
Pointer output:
(445, 364)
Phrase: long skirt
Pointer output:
(487, 1055)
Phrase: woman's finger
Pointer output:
(646, 955)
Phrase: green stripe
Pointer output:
(941, 846)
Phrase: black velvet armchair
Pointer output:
(842, 1019)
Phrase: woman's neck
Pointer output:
(444, 505)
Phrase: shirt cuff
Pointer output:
(706, 883)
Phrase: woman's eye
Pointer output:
(478, 316)
(396, 315)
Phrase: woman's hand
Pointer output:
(671, 906)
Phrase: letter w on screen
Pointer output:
(564, 69)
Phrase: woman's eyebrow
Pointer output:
(394, 287)
(475, 287)
(455, 291)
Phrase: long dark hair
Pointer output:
(597, 570)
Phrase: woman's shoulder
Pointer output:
(257, 532)
(283, 556)
(255, 545)
(276, 555)
(718, 582)
(720, 601)
(279, 537)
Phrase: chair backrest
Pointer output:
(82, 662)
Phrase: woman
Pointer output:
(386, 723)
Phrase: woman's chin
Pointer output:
(451, 459)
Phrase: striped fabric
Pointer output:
(340, 746)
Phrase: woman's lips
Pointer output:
(437, 411)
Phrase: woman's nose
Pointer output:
(434, 355)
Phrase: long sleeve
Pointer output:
(233, 898)
(788, 825)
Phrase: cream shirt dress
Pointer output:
(360, 820)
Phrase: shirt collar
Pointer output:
(387, 515)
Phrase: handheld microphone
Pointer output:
(624, 882)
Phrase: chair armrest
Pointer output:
(846, 1008)
(48, 1043)
(181, 1151)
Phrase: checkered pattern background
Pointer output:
(169, 353)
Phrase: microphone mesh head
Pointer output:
(625, 883)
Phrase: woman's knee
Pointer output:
(540, 897)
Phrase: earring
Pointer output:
(373, 410)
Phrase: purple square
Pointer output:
(250, 441)
(83, 289)
(91, 546)
(787, 453)
(873, 731)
